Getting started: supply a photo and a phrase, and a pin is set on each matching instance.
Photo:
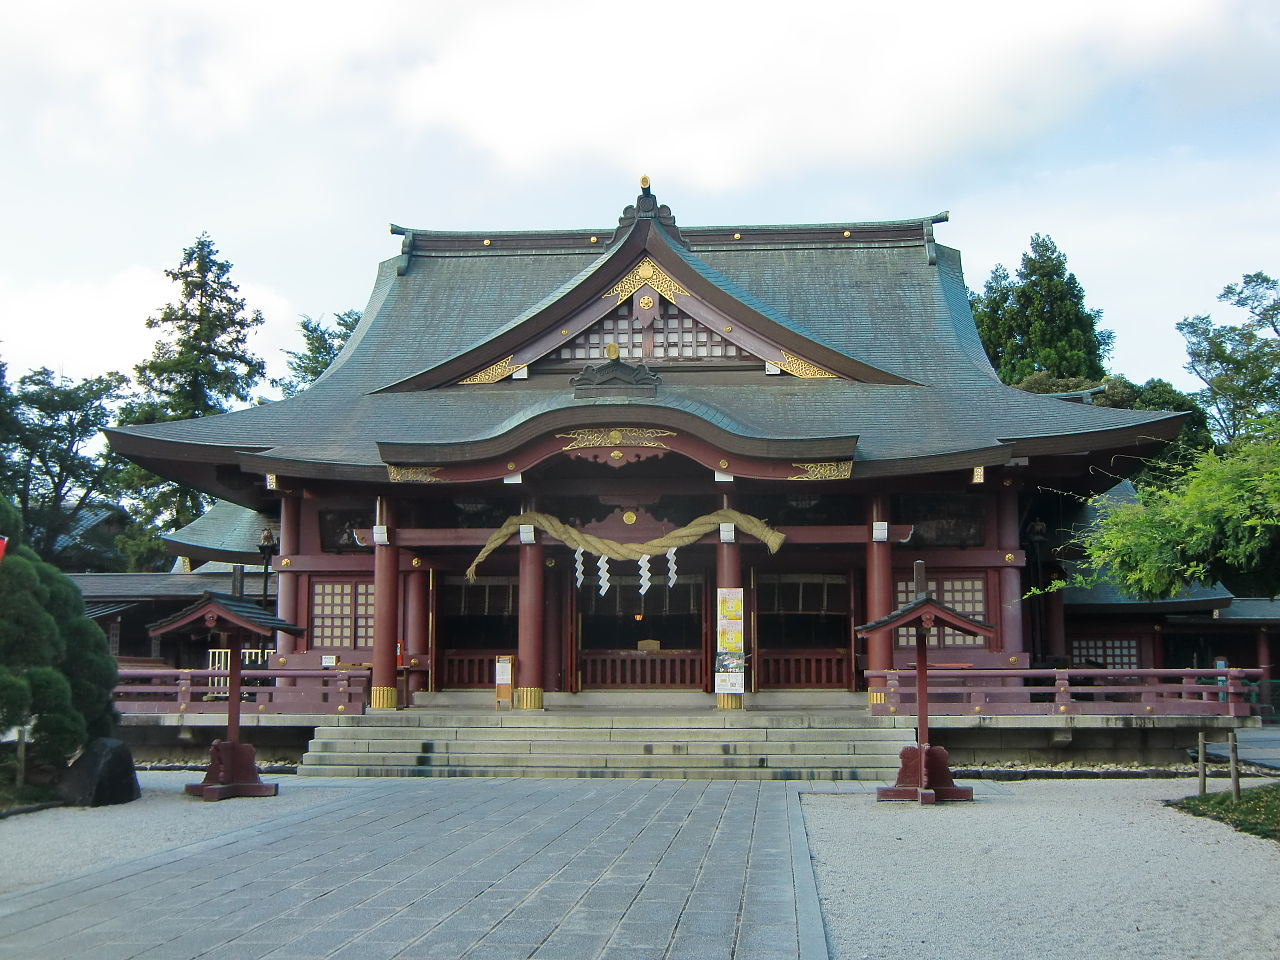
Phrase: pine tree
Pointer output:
(201, 365)
(55, 667)
(1039, 322)
(322, 344)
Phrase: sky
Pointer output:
(1142, 136)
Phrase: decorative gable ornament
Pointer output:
(615, 378)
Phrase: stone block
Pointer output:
(102, 775)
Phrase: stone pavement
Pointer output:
(1257, 745)
(485, 869)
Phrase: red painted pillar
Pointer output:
(553, 631)
(415, 628)
(1011, 639)
(529, 642)
(879, 588)
(386, 609)
(286, 581)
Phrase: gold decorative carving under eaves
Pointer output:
(646, 273)
(838, 470)
(802, 368)
(614, 437)
(501, 369)
(399, 474)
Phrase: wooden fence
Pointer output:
(1125, 692)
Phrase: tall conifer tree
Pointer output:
(1039, 321)
(200, 366)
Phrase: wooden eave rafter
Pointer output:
(588, 302)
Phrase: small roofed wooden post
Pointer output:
(924, 773)
(232, 770)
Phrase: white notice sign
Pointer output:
(502, 672)
(731, 683)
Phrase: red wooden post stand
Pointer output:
(232, 772)
(924, 774)
(233, 768)
(927, 781)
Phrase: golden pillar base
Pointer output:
(728, 701)
(382, 698)
(528, 698)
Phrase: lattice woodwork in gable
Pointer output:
(661, 335)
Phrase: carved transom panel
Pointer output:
(614, 437)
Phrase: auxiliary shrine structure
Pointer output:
(565, 446)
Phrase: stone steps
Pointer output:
(812, 745)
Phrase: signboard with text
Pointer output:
(731, 662)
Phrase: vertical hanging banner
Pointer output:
(731, 664)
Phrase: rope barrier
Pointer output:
(691, 532)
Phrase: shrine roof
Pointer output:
(240, 611)
(882, 304)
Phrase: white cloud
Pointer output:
(714, 93)
(79, 328)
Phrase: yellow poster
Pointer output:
(729, 636)
(729, 603)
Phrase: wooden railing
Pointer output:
(627, 668)
(205, 691)
(1128, 692)
(802, 669)
(470, 669)
(220, 661)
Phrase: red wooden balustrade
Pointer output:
(618, 668)
(205, 691)
(800, 669)
(1084, 692)
(470, 669)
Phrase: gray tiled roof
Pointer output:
(103, 587)
(881, 303)
(225, 531)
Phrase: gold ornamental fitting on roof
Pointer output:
(611, 351)
(644, 183)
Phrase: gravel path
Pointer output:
(54, 844)
(1044, 870)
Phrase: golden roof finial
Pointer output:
(611, 351)
(644, 183)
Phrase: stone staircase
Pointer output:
(743, 745)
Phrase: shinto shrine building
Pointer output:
(560, 445)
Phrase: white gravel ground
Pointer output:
(66, 841)
(1049, 869)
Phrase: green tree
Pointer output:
(1039, 321)
(1219, 520)
(10, 427)
(321, 345)
(202, 365)
(55, 668)
(1239, 364)
(58, 472)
